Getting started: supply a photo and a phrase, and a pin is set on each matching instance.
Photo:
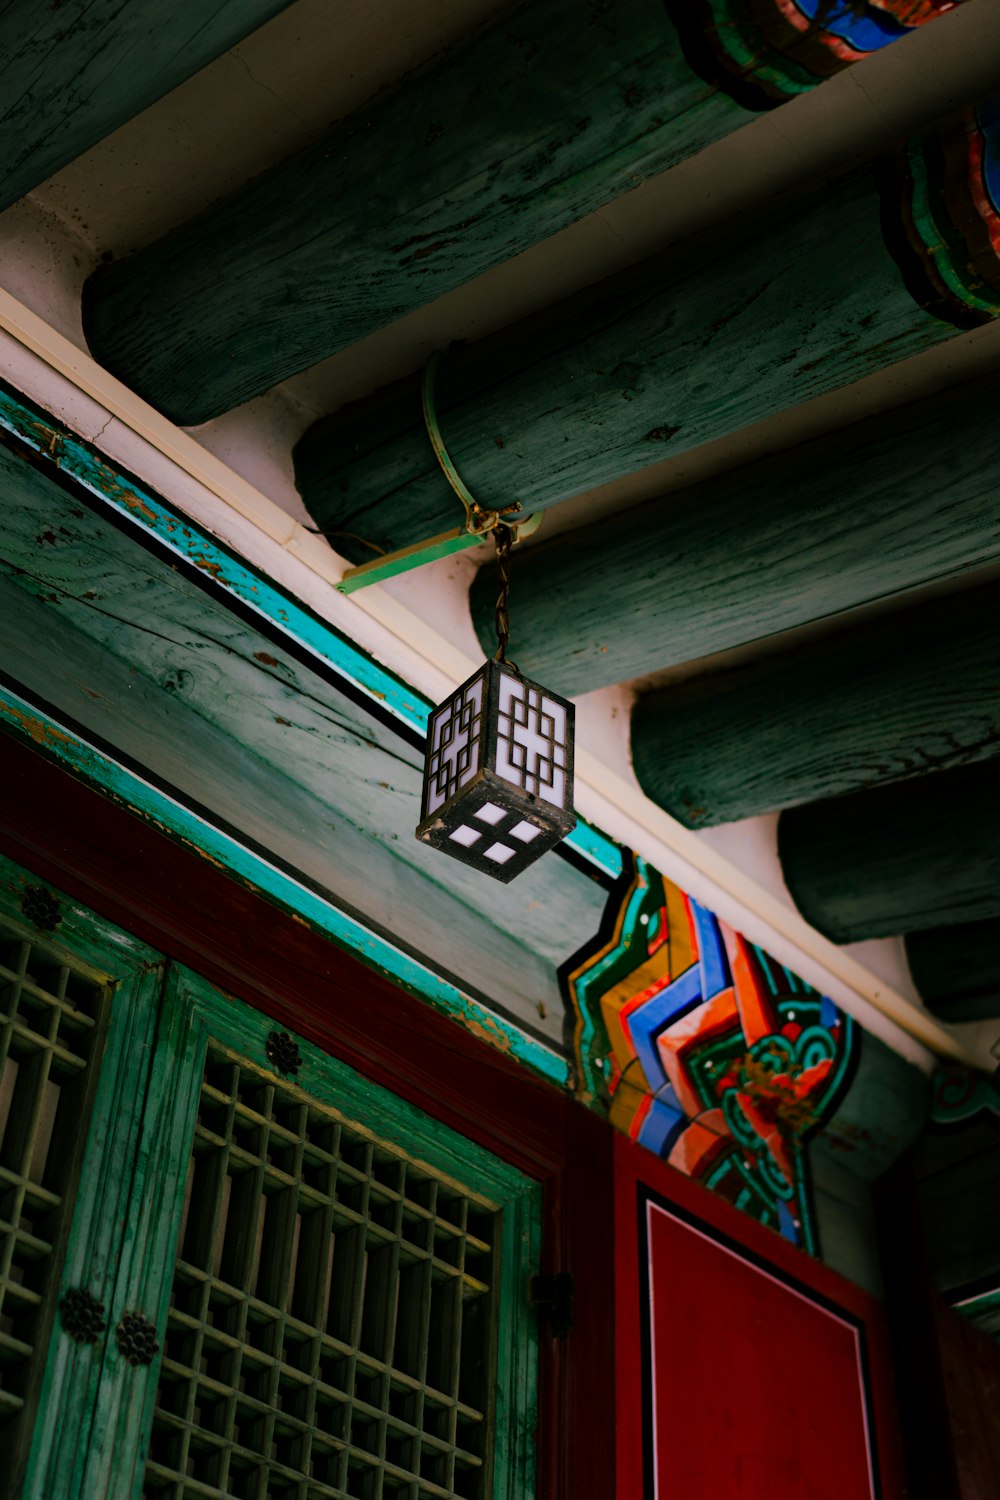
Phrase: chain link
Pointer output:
(503, 537)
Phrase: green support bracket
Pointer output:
(443, 545)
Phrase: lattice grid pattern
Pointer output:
(49, 1017)
(531, 740)
(331, 1322)
(455, 737)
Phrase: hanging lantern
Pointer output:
(498, 779)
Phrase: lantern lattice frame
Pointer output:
(498, 778)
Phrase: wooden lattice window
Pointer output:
(77, 1018)
(49, 1015)
(330, 1326)
(300, 1285)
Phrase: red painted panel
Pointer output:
(745, 1368)
(775, 1374)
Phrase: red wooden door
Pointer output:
(746, 1370)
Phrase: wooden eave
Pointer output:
(817, 150)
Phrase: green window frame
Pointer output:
(73, 991)
(233, 1180)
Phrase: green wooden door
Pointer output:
(312, 1289)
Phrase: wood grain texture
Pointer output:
(894, 698)
(918, 854)
(72, 72)
(873, 509)
(533, 123)
(269, 809)
(139, 654)
(957, 970)
(688, 346)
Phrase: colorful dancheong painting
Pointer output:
(780, 48)
(947, 197)
(705, 1050)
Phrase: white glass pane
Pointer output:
(465, 835)
(490, 813)
(525, 832)
(501, 853)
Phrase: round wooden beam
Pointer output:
(887, 700)
(73, 71)
(536, 121)
(900, 859)
(957, 970)
(679, 351)
(881, 506)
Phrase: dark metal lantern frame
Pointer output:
(498, 778)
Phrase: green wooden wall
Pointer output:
(264, 739)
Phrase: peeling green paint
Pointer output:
(182, 537)
(162, 811)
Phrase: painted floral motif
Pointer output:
(706, 1051)
(779, 48)
(945, 201)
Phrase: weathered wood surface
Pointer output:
(918, 854)
(73, 71)
(865, 512)
(145, 658)
(893, 698)
(683, 349)
(957, 970)
(536, 121)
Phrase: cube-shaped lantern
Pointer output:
(498, 781)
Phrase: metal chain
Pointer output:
(503, 537)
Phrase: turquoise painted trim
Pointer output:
(984, 1302)
(156, 807)
(595, 846)
(148, 512)
(588, 1010)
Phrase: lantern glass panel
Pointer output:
(531, 739)
(455, 738)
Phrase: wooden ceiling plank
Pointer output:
(891, 699)
(899, 859)
(530, 125)
(72, 72)
(884, 505)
